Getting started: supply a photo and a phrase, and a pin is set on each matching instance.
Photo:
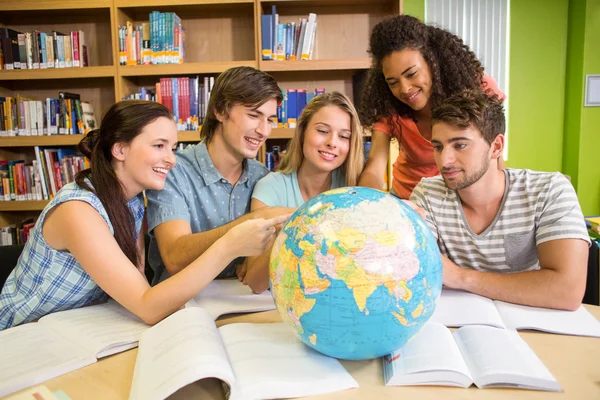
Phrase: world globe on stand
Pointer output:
(355, 272)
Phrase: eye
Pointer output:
(391, 84)
(253, 115)
(437, 148)
(460, 146)
(411, 74)
(270, 120)
(159, 146)
(323, 131)
(345, 137)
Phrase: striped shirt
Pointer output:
(46, 280)
(537, 207)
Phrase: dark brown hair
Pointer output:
(240, 85)
(472, 108)
(453, 66)
(122, 122)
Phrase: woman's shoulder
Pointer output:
(275, 179)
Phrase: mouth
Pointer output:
(327, 156)
(162, 172)
(413, 97)
(253, 142)
(451, 173)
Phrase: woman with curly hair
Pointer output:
(415, 67)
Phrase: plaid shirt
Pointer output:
(46, 280)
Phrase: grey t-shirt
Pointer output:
(537, 207)
(195, 191)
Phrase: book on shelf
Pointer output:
(159, 41)
(483, 355)
(64, 341)
(16, 234)
(593, 224)
(458, 308)
(228, 296)
(294, 102)
(258, 361)
(41, 50)
(287, 41)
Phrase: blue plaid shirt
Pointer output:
(46, 280)
(195, 191)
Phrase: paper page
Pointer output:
(32, 354)
(456, 308)
(501, 354)
(432, 350)
(39, 392)
(227, 296)
(579, 323)
(270, 362)
(177, 351)
(104, 329)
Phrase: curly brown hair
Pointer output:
(454, 67)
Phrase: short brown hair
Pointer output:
(239, 85)
(472, 107)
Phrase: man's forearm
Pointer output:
(257, 274)
(542, 288)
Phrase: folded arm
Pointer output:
(559, 284)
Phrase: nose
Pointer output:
(171, 159)
(447, 158)
(264, 127)
(405, 86)
(332, 141)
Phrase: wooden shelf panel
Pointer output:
(30, 205)
(312, 3)
(58, 73)
(316, 65)
(282, 133)
(188, 136)
(182, 69)
(174, 3)
(18, 5)
(46, 140)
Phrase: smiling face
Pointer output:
(462, 155)
(245, 128)
(144, 162)
(408, 76)
(327, 140)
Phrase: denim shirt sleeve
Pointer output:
(168, 204)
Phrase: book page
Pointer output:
(579, 323)
(177, 351)
(227, 296)
(457, 308)
(103, 329)
(270, 362)
(32, 354)
(432, 350)
(500, 357)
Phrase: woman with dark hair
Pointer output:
(86, 244)
(414, 68)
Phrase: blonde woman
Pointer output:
(325, 153)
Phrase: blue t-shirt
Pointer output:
(46, 280)
(195, 191)
(281, 190)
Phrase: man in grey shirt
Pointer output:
(512, 235)
(209, 190)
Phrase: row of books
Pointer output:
(289, 41)
(42, 178)
(16, 233)
(187, 98)
(160, 41)
(67, 114)
(294, 101)
(40, 50)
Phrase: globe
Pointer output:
(355, 272)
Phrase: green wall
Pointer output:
(416, 8)
(537, 69)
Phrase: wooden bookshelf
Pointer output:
(220, 34)
(28, 205)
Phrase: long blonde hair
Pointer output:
(353, 166)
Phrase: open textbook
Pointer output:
(457, 308)
(486, 356)
(254, 361)
(227, 296)
(64, 341)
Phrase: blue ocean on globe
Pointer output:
(356, 273)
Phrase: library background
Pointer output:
(64, 62)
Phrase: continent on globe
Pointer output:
(355, 272)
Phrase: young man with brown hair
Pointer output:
(513, 235)
(209, 189)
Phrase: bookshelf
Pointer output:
(220, 34)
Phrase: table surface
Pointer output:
(574, 362)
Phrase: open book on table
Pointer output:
(64, 341)
(227, 296)
(486, 356)
(254, 361)
(457, 308)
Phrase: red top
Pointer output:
(415, 160)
